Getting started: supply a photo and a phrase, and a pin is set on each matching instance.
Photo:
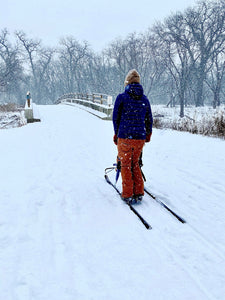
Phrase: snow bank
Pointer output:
(12, 119)
(201, 120)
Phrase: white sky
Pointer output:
(97, 21)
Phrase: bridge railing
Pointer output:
(96, 101)
(95, 98)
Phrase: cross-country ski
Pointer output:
(145, 223)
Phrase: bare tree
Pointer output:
(116, 53)
(39, 59)
(31, 48)
(11, 72)
(206, 24)
(174, 56)
(215, 76)
(72, 56)
(43, 67)
(152, 67)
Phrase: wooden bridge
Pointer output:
(100, 102)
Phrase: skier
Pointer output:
(132, 122)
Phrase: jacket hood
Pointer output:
(135, 90)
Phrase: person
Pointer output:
(28, 98)
(132, 122)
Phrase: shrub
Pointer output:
(205, 120)
(8, 107)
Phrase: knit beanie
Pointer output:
(132, 76)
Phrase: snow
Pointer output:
(204, 120)
(12, 119)
(65, 234)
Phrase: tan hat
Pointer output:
(132, 76)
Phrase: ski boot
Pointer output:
(137, 198)
(128, 200)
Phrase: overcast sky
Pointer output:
(97, 21)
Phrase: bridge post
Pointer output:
(29, 113)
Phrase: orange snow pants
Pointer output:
(129, 152)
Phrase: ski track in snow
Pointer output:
(65, 234)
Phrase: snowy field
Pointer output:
(202, 120)
(66, 235)
(192, 112)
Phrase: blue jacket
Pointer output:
(132, 115)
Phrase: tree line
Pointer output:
(181, 60)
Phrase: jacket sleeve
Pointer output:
(148, 118)
(117, 111)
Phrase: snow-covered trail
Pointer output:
(65, 234)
